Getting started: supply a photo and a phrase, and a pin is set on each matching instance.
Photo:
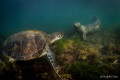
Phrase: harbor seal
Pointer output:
(88, 29)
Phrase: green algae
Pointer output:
(66, 76)
(83, 70)
(77, 59)
(60, 46)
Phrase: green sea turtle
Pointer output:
(31, 44)
(88, 29)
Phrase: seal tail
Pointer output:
(94, 18)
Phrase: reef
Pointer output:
(78, 58)
(75, 59)
(83, 70)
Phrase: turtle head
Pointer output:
(54, 37)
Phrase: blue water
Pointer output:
(55, 15)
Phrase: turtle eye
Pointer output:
(60, 34)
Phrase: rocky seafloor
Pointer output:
(97, 58)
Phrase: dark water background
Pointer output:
(55, 15)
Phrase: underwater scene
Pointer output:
(59, 39)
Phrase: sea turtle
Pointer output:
(87, 29)
(31, 44)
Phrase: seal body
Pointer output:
(89, 29)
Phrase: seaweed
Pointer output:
(83, 70)
(110, 69)
(109, 59)
(67, 45)
(60, 46)
(66, 76)
(26, 70)
(111, 49)
(75, 59)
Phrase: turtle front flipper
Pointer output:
(51, 59)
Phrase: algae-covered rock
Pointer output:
(75, 60)
(66, 76)
(110, 69)
(67, 45)
(26, 70)
(82, 70)
(111, 49)
(109, 59)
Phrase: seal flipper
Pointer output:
(84, 35)
(51, 58)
